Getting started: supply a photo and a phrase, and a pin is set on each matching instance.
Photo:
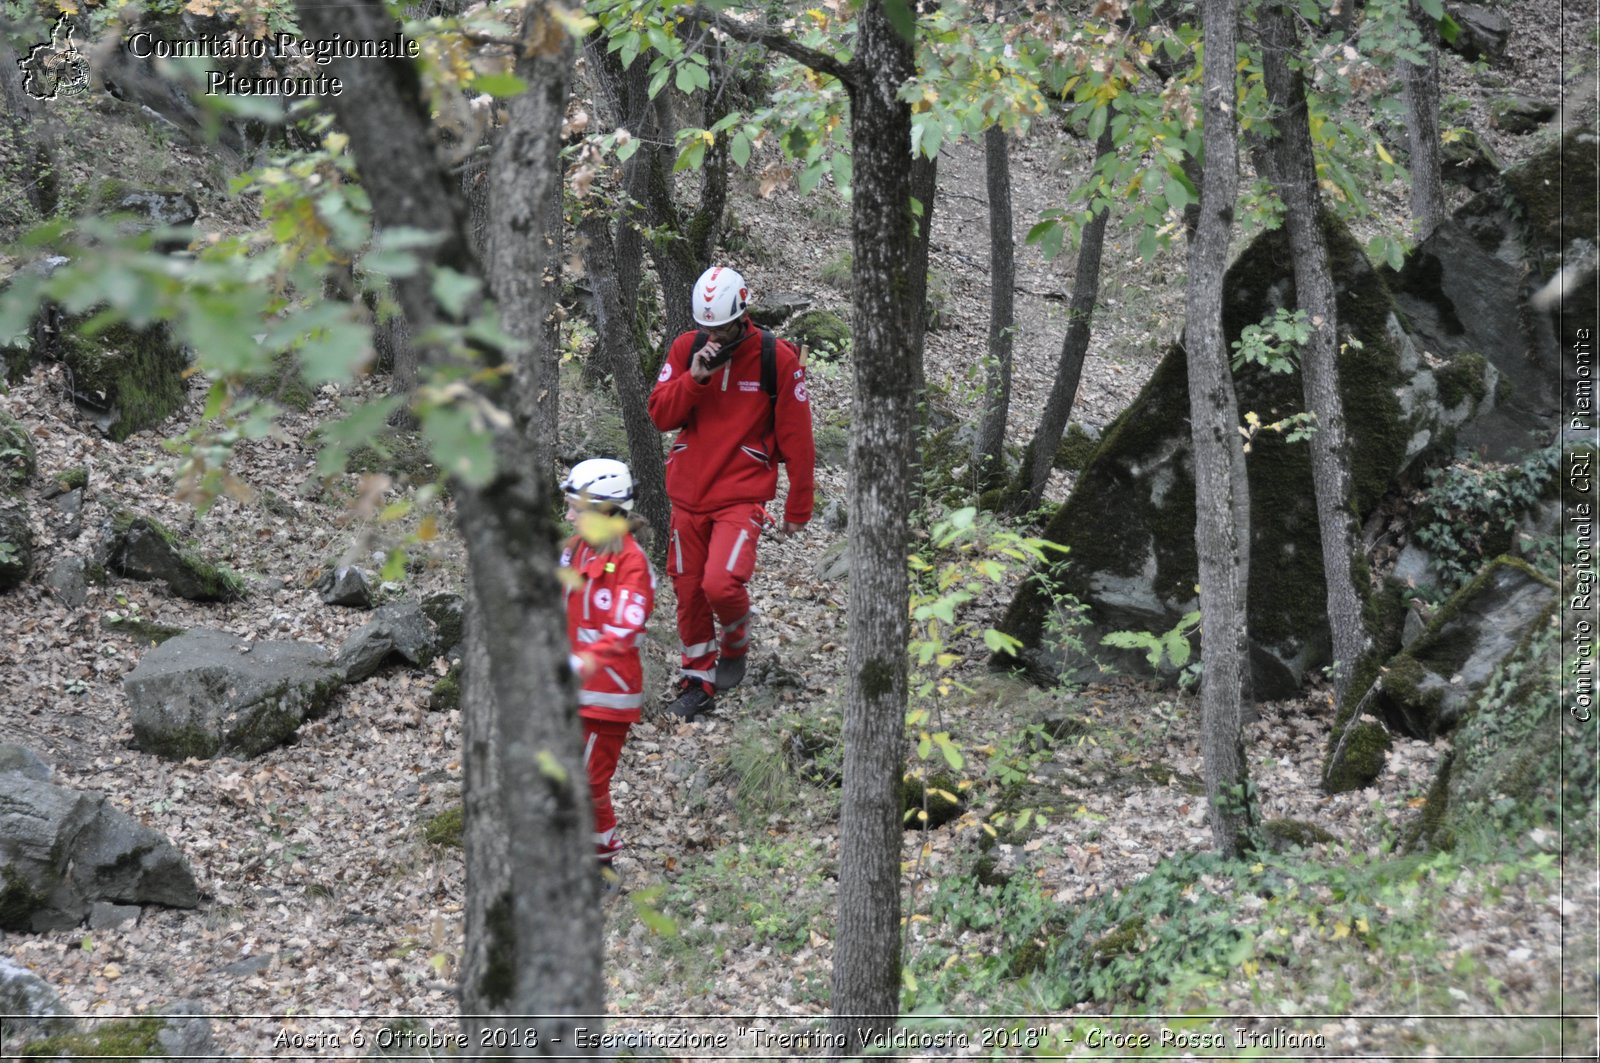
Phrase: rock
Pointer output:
(207, 693)
(825, 332)
(1077, 446)
(1465, 292)
(448, 613)
(160, 207)
(1425, 689)
(1518, 754)
(1520, 114)
(401, 629)
(29, 1007)
(833, 446)
(186, 1032)
(1483, 32)
(16, 543)
(142, 548)
(1129, 521)
(124, 379)
(68, 513)
(834, 564)
(1285, 834)
(24, 761)
(346, 585)
(770, 311)
(19, 461)
(68, 581)
(61, 850)
(836, 515)
(1468, 160)
(1415, 569)
(103, 915)
(1357, 759)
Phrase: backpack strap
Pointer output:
(701, 338)
(769, 367)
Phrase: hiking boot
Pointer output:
(730, 673)
(693, 703)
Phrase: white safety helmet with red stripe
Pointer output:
(720, 296)
(605, 481)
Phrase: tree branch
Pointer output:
(775, 40)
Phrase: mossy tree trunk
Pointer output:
(1419, 85)
(988, 455)
(533, 926)
(1222, 511)
(1288, 162)
(29, 154)
(1041, 453)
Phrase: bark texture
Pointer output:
(533, 927)
(616, 340)
(866, 960)
(1222, 504)
(1291, 166)
(988, 455)
(1419, 85)
(1046, 440)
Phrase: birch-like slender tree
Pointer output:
(1222, 494)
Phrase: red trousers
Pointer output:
(602, 745)
(710, 559)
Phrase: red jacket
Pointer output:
(606, 615)
(730, 439)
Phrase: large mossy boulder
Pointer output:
(208, 693)
(125, 379)
(1469, 290)
(1424, 690)
(19, 461)
(1129, 523)
(61, 851)
(1520, 757)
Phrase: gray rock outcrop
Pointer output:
(208, 693)
(29, 1007)
(346, 585)
(399, 630)
(61, 851)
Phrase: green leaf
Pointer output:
(841, 171)
(453, 290)
(684, 79)
(738, 149)
(924, 747)
(357, 427)
(1177, 649)
(952, 755)
(625, 151)
(499, 86)
(809, 177)
(335, 353)
(1000, 642)
(901, 17)
(461, 448)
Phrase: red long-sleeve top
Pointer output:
(606, 615)
(730, 435)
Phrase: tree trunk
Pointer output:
(1222, 517)
(1291, 166)
(1041, 453)
(616, 339)
(29, 134)
(988, 455)
(1419, 85)
(533, 926)
(523, 240)
(866, 959)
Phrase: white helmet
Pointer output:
(719, 297)
(605, 480)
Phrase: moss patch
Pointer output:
(1465, 379)
(109, 1039)
(446, 829)
(825, 332)
(446, 694)
(1295, 833)
(146, 631)
(1077, 447)
(18, 902)
(135, 375)
(283, 384)
(1365, 752)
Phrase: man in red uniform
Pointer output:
(723, 468)
(610, 592)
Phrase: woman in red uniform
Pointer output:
(610, 591)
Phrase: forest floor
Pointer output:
(326, 910)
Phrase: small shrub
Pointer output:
(1472, 510)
